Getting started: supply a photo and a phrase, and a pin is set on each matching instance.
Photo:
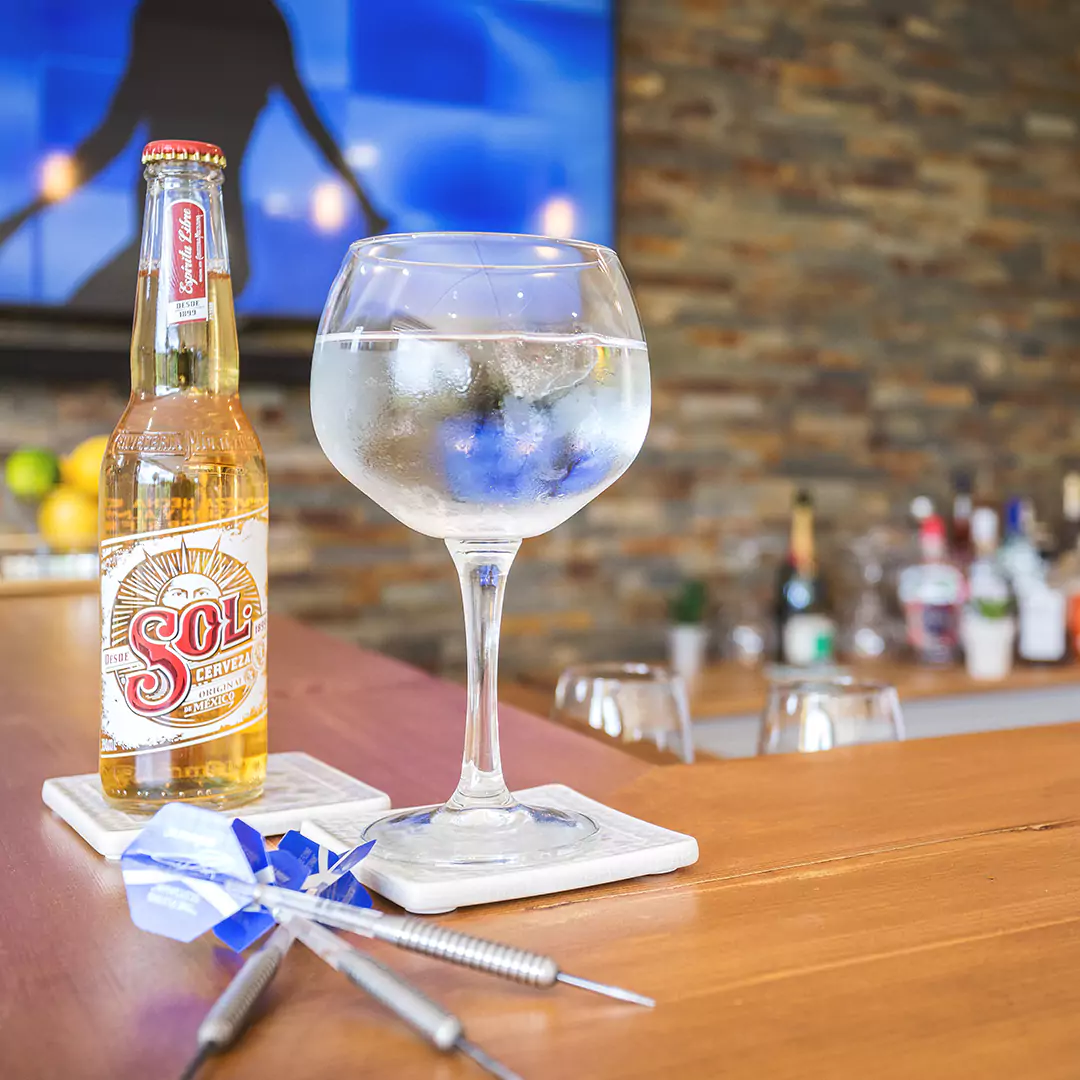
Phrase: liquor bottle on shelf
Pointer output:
(960, 538)
(1040, 602)
(1018, 556)
(932, 592)
(985, 492)
(1065, 574)
(1066, 577)
(806, 628)
(1069, 534)
(986, 582)
(1042, 611)
(909, 548)
(183, 519)
(988, 623)
(866, 634)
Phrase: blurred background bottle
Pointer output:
(1069, 533)
(931, 593)
(988, 623)
(867, 633)
(805, 624)
(986, 582)
(960, 524)
(1018, 556)
(749, 633)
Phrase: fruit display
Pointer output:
(31, 473)
(61, 492)
(82, 467)
(67, 519)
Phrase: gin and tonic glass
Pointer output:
(482, 388)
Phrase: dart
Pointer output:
(298, 863)
(187, 871)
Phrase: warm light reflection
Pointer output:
(557, 216)
(58, 176)
(328, 206)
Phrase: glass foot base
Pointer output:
(509, 835)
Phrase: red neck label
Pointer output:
(187, 262)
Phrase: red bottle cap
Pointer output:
(183, 150)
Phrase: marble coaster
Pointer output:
(297, 787)
(625, 847)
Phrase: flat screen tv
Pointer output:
(340, 118)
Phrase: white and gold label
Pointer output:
(183, 631)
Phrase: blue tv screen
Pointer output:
(339, 119)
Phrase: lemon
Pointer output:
(31, 473)
(68, 519)
(82, 467)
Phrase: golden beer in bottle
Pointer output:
(183, 519)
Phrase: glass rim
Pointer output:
(612, 670)
(357, 248)
(841, 685)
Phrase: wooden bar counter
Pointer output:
(725, 689)
(888, 911)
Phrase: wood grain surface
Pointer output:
(889, 911)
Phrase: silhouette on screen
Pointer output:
(203, 69)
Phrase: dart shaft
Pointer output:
(228, 1015)
(438, 1026)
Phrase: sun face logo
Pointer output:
(187, 588)
(185, 620)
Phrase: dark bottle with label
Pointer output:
(806, 629)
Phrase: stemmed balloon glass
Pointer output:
(482, 388)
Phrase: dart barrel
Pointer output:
(431, 939)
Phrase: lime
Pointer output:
(68, 519)
(82, 467)
(31, 473)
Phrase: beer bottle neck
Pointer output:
(184, 337)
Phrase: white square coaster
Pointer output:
(625, 847)
(297, 786)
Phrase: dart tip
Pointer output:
(485, 1060)
(616, 992)
(196, 1063)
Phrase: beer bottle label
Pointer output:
(183, 625)
(185, 257)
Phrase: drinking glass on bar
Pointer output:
(629, 702)
(482, 388)
(823, 714)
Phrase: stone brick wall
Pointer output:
(853, 232)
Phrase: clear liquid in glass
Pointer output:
(480, 436)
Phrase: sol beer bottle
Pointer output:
(183, 519)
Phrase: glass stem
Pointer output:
(482, 567)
